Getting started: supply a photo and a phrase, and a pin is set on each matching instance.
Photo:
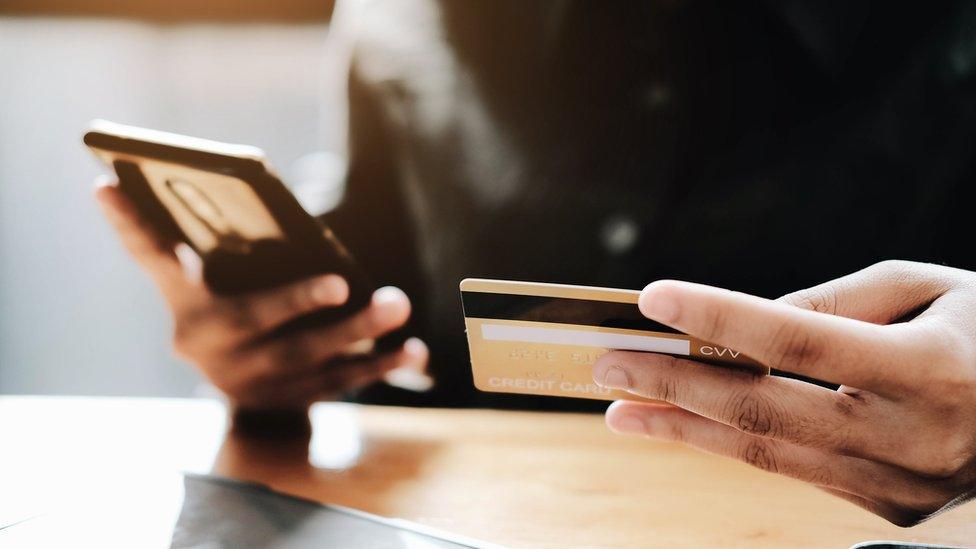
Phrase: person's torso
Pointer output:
(613, 144)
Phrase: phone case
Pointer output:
(227, 204)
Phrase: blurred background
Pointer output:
(76, 315)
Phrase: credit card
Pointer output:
(542, 339)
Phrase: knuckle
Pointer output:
(237, 314)
(841, 431)
(913, 280)
(754, 414)
(666, 389)
(820, 299)
(793, 347)
(896, 268)
(301, 298)
(654, 379)
(715, 324)
(846, 407)
(757, 453)
(820, 475)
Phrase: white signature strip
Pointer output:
(564, 336)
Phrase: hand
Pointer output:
(231, 339)
(897, 438)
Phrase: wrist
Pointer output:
(267, 421)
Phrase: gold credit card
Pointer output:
(542, 339)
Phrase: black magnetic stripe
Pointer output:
(563, 310)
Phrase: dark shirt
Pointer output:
(758, 146)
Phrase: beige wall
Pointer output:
(76, 317)
(177, 10)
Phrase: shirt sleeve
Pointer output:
(371, 218)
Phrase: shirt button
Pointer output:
(656, 96)
(619, 234)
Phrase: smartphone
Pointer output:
(226, 202)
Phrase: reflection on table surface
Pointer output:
(513, 478)
(189, 511)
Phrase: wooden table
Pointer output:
(513, 478)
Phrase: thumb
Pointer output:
(153, 252)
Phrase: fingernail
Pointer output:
(658, 305)
(190, 261)
(415, 347)
(330, 289)
(409, 379)
(104, 180)
(628, 425)
(615, 378)
(388, 294)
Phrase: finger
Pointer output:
(840, 350)
(388, 309)
(862, 478)
(767, 406)
(326, 381)
(307, 350)
(356, 375)
(260, 312)
(413, 375)
(152, 251)
(881, 293)
(229, 322)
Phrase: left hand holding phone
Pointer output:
(234, 340)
